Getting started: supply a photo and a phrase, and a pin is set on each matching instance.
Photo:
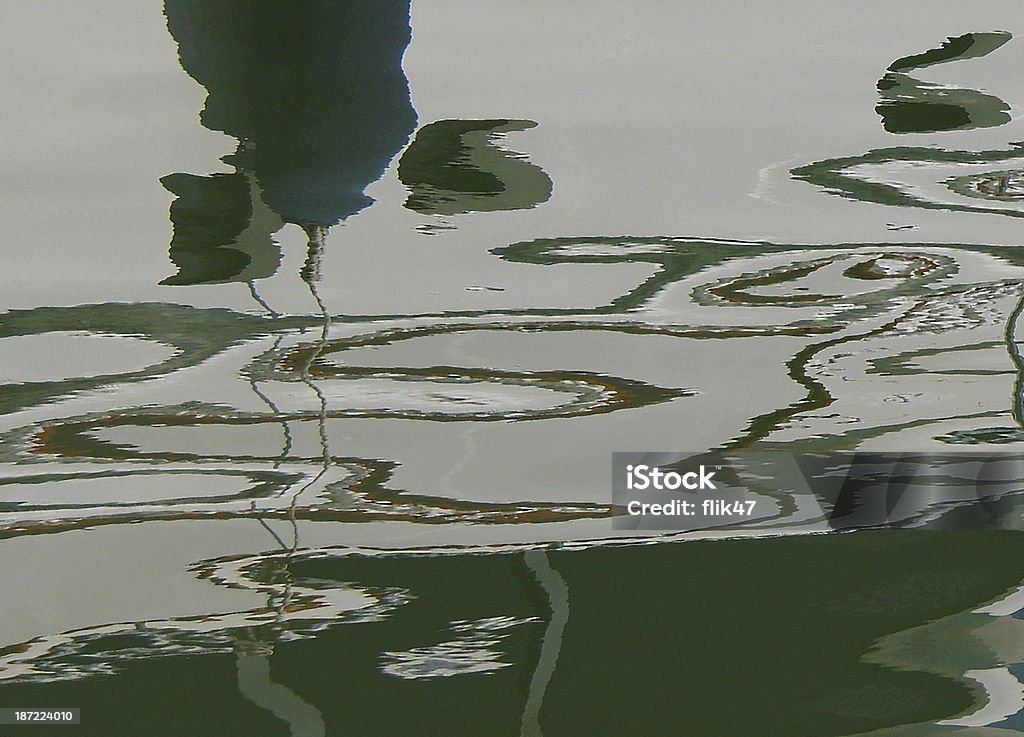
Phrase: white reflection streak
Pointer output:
(254, 682)
(768, 179)
(558, 599)
(1005, 697)
(1007, 606)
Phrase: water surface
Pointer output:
(321, 321)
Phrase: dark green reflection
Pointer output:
(216, 237)
(967, 46)
(736, 638)
(455, 166)
(910, 106)
(315, 93)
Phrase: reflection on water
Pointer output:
(298, 396)
(319, 112)
(936, 179)
(323, 522)
(453, 167)
(220, 233)
(900, 318)
(911, 106)
(319, 104)
(317, 99)
(533, 635)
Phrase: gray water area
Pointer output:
(320, 322)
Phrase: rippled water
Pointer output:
(322, 320)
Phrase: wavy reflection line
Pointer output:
(818, 396)
(76, 438)
(1013, 348)
(295, 608)
(310, 273)
(294, 357)
(377, 501)
(285, 428)
(677, 257)
(849, 177)
(195, 334)
(740, 290)
(263, 485)
(383, 505)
